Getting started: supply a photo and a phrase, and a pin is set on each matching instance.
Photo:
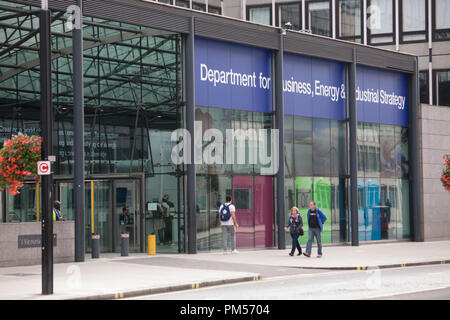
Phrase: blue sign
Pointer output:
(232, 76)
(381, 96)
(314, 87)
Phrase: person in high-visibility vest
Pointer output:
(57, 216)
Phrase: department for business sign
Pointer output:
(239, 77)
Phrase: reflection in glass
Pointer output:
(290, 13)
(321, 147)
(303, 146)
(260, 15)
(338, 217)
(401, 153)
(382, 9)
(413, 15)
(338, 147)
(319, 18)
(443, 88)
(387, 154)
(289, 145)
(442, 14)
(350, 19)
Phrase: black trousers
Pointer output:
(295, 243)
(168, 229)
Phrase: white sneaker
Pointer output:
(225, 252)
(234, 251)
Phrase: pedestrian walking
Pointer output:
(316, 219)
(229, 224)
(295, 227)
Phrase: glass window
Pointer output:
(182, 3)
(403, 223)
(338, 210)
(242, 199)
(414, 20)
(289, 13)
(388, 209)
(372, 149)
(442, 14)
(260, 14)
(214, 10)
(244, 153)
(350, 19)
(198, 6)
(319, 18)
(443, 87)
(401, 152)
(321, 147)
(423, 82)
(387, 152)
(288, 145)
(380, 23)
(371, 217)
(338, 150)
(303, 146)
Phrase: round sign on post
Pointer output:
(43, 168)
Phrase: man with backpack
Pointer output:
(229, 224)
(316, 219)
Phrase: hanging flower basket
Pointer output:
(445, 178)
(18, 161)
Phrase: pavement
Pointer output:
(114, 277)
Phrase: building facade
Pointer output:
(417, 27)
(151, 69)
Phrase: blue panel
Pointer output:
(230, 76)
(382, 96)
(313, 87)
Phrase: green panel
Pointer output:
(309, 189)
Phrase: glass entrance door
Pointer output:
(126, 213)
(98, 213)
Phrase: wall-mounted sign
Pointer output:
(314, 87)
(44, 168)
(232, 76)
(32, 241)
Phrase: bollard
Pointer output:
(125, 243)
(151, 244)
(95, 245)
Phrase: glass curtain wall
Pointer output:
(240, 181)
(316, 169)
(383, 184)
(132, 88)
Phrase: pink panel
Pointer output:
(243, 194)
(263, 211)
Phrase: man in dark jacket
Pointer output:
(316, 219)
(295, 225)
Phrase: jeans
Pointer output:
(295, 243)
(225, 231)
(314, 232)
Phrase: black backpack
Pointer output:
(225, 213)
